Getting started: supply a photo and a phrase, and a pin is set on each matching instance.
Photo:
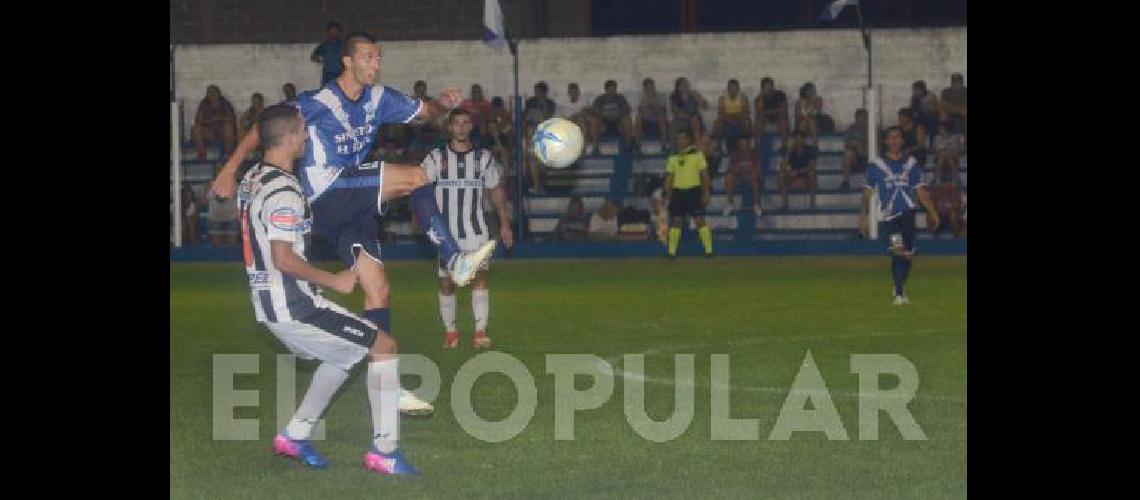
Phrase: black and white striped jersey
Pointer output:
(460, 179)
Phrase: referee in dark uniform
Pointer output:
(687, 187)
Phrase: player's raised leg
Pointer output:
(411, 180)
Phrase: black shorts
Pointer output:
(686, 202)
(902, 225)
(350, 220)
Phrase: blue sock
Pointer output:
(382, 317)
(431, 221)
(899, 273)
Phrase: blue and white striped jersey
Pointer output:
(341, 131)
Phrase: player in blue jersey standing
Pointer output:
(341, 122)
(897, 177)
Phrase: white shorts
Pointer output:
(332, 335)
(466, 245)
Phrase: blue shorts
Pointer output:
(902, 225)
(349, 217)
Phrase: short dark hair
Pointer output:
(733, 80)
(648, 81)
(860, 111)
(906, 111)
(355, 38)
(767, 79)
(457, 112)
(276, 121)
(542, 86)
(497, 101)
(919, 84)
(419, 83)
(895, 128)
(332, 25)
(609, 83)
(685, 132)
(956, 77)
(573, 85)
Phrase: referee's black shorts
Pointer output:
(686, 202)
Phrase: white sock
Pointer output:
(326, 380)
(481, 306)
(384, 394)
(447, 311)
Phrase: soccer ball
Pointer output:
(557, 142)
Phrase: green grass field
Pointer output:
(766, 312)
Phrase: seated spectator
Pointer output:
(925, 106)
(734, 116)
(809, 109)
(573, 225)
(581, 113)
(613, 112)
(420, 135)
(855, 148)
(604, 223)
(290, 92)
(742, 162)
(480, 110)
(685, 105)
(249, 117)
(214, 121)
(772, 112)
(914, 136)
(947, 151)
(501, 126)
(222, 220)
(651, 121)
(797, 165)
(538, 109)
(947, 200)
(712, 152)
(189, 215)
(954, 103)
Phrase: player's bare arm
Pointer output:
(924, 198)
(499, 200)
(447, 100)
(225, 184)
(290, 263)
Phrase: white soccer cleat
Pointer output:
(464, 267)
(409, 404)
(901, 300)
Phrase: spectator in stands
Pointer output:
(954, 103)
(772, 112)
(855, 147)
(189, 215)
(685, 104)
(290, 92)
(573, 225)
(327, 54)
(743, 161)
(914, 136)
(613, 111)
(214, 121)
(604, 223)
(734, 116)
(798, 165)
(419, 90)
(809, 108)
(925, 106)
(480, 110)
(659, 216)
(500, 124)
(651, 120)
(947, 151)
(249, 117)
(538, 108)
(581, 113)
(947, 200)
(222, 220)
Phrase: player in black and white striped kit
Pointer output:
(276, 222)
(461, 171)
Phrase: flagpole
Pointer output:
(520, 213)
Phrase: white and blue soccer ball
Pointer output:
(558, 142)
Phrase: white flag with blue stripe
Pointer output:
(832, 10)
(493, 32)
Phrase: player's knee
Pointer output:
(446, 287)
(375, 288)
(384, 345)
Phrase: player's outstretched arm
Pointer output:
(224, 184)
(448, 100)
(290, 263)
